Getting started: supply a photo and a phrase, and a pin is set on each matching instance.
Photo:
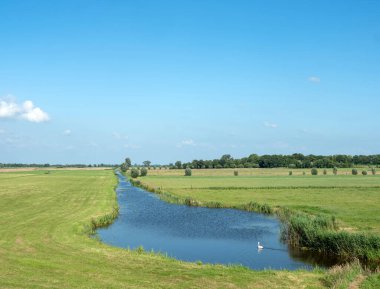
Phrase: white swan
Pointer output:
(259, 246)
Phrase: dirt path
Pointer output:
(356, 283)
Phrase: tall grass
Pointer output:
(340, 277)
(320, 233)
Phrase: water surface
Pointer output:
(225, 236)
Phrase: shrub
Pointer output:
(364, 173)
(335, 171)
(325, 172)
(236, 173)
(303, 173)
(373, 171)
(314, 171)
(290, 173)
(143, 172)
(188, 172)
(134, 173)
(354, 172)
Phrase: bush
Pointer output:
(325, 172)
(354, 172)
(188, 172)
(364, 173)
(143, 172)
(373, 171)
(335, 171)
(303, 173)
(290, 173)
(314, 171)
(134, 173)
(236, 173)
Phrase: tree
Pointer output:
(325, 172)
(143, 172)
(236, 173)
(364, 172)
(123, 167)
(188, 172)
(134, 173)
(146, 163)
(373, 171)
(178, 164)
(335, 170)
(354, 172)
(290, 173)
(128, 162)
(314, 171)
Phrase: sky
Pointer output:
(99, 81)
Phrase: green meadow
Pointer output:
(353, 200)
(45, 242)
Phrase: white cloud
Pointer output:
(188, 142)
(117, 135)
(314, 79)
(8, 109)
(67, 132)
(269, 124)
(26, 111)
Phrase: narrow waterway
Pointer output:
(224, 236)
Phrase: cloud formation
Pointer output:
(314, 79)
(67, 132)
(26, 111)
(270, 125)
(188, 142)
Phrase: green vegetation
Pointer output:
(143, 172)
(45, 222)
(236, 173)
(333, 214)
(134, 173)
(188, 172)
(286, 161)
(314, 171)
(354, 172)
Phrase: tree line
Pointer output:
(268, 161)
(275, 161)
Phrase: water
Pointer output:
(224, 236)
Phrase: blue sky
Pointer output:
(97, 81)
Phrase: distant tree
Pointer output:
(123, 167)
(292, 166)
(143, 172)
(303, 173)
(188, 172)
(373, 171)
(178, 164)
(146, 163)
(128, 162)
(325, 172)
(236, 173)
(364, 172)
(134, 173)
(314, 171)
(354, 172)
(290, 173)
(335, 170)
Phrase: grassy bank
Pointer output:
(45, 220)
(332, 214)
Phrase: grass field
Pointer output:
(44, 242)
(354, 200)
